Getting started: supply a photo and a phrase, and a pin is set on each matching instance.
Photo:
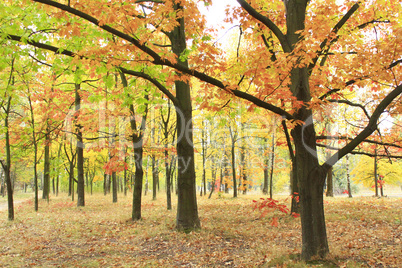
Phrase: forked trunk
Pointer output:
(311, 178)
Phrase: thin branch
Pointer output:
(325, 137)
(367, 131)
(327, 42)
(267, 22)
(360, 153)
(352, 104)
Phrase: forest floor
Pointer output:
(362, 232)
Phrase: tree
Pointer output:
(389, 171)
(6, 164)
(291, 82)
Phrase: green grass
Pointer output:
(362, 232)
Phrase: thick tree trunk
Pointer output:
(187, 210)
(311, 185)
(310, 175)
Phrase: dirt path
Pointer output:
(4, 205)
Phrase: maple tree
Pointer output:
(302, 58)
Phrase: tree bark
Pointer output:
(330, 185)
(35, 144)
(80, 153)
(138, 178)
(271, 175)
(155, 176)
(375, 174)
(348, 177)
(187, 210)
(7, 164)
(204, 158)
(114, 187)
(46, 167)
(137, 140)
(234, 170)
(310, 175)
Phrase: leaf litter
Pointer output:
(362, 232)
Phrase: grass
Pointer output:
(362, 232)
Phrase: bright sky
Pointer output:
(215, 15)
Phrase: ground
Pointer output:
(362, 232)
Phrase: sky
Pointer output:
(215, 15)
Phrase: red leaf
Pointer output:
(275, 222)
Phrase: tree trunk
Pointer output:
(187, 210)
(168, 180)
(243, 174)
(271, 175)
(35, 144)
(80, 153)
(213, 175)
(46, 168)
(7, 164)
(330, 185)
(375, 174)
(125, 177)
(114, 187)
(311, 184)
(234, 170)
(138, 177)
(155, 176)
(137, 139)
(348, 176)
(266, 172)
(310, 175)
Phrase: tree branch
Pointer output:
(327, 42)
(367, 131)
(60, 51)
(361, 153)
(267, 22)
(199, 75)
(324, 137)
(352, 104)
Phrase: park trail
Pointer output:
(4, 205)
